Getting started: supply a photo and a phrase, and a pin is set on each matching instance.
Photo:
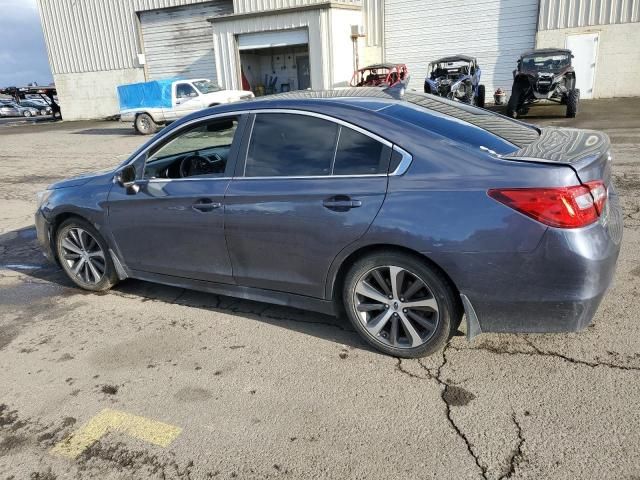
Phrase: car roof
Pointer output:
(373, 101)
(455, 58)
(544, 51)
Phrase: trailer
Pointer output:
(47, 93)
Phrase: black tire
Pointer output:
(481, 95)
(145, 125)
(437, 288)
(109, 276)
(514, 101)
(573, 102)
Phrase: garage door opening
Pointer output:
(275, 62)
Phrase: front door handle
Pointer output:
(206, 205)
(341, 203)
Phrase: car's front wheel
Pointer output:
(26, 113)
(84, 256)
(400, 305)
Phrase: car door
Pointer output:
(186, 100)
(174, 223)
(306, 187)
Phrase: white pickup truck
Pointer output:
(151, 104)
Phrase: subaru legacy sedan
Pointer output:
(402, 212)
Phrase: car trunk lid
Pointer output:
(585, 151)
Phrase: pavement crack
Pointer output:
(516, 454)
(538, 352)
(402, 370)
(437, 376)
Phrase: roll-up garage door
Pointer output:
(178, 42)
(494, 31)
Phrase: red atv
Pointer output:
(381, 75)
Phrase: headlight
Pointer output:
(42, 197)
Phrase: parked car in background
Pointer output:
(151, 104)
(319, 200)
(457, 78)
(381, 75)
(12, 109)
(544, 74)
(41, 107)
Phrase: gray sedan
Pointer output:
(401, 213)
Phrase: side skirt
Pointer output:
(248, 293)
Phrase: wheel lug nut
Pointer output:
(390, 297)
(402, 299)
(386, 306)
(404, 310)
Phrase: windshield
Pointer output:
(206, 86)
(546, 62)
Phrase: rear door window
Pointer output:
(290, 145)
(359, 154)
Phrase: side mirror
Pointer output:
(126, 178)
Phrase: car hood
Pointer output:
(81, 180)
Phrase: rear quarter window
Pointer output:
(450, 127)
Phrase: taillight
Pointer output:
(563, 207)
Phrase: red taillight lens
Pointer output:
(563, 207)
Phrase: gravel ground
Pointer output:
(259, 391)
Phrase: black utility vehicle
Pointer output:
(545, 74)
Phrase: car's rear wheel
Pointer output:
(573, 100)
(400, 305)
(514, 101)
(84, 256)
(145, 125)
(26, 113)
(480, 98)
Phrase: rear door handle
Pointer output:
(341, 203)
(206, 205)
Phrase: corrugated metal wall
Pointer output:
(177, 41)
(557, 14)
(494, 31)
(95, 35)
(246, 6)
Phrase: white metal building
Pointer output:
(280, 45)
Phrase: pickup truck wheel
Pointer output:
(145, 125)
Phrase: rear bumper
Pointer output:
(556, 288)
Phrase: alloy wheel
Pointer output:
(83, 256)
(396, 307)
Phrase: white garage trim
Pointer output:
(283, 38)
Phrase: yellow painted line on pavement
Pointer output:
(108, 420)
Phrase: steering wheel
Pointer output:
(199, 164)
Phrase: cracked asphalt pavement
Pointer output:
(262, 391)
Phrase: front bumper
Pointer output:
(43, 230)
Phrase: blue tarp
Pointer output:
(154, 94)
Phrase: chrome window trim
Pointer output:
(404, 164)
(400, 169)
(322, 116)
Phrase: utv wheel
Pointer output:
(145, 125)
(480, 98)
(84, 256)
(400, 305)
(573, 100)
(514, 102)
